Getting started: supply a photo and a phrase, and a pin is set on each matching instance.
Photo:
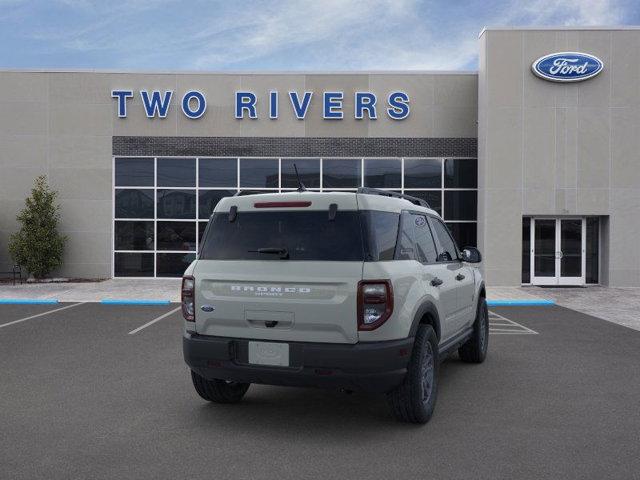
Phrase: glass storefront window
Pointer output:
(134, 172)
(217, 172)
(176, 203)
(133, 264)
(382, 173)
(133, 235)
(134, 203)
(308, 169)
(460, 205)
(464, 233)
(173, 264)
(460, 173)
(208, 199)
(340, 173)
(422, 173)
(161, 204)
(176, 172)
(176, 235)
(259, 173)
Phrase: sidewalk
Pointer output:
(114, 289)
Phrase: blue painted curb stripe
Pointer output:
(520, 303)
(110, 301)
(28, 301)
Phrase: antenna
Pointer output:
(301, 187)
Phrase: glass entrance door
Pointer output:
(543, 253)
(558, 251)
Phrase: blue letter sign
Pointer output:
(365, 101)
(193, 103)
(156, 105)
(246, 101)
(300, 108)
(332, 105)
(398, 105)
(186, 107)
(122, 96)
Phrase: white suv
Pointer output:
(357, 291)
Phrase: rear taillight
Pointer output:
(375, 303)
(188, 298)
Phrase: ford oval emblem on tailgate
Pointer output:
(567, 66)
(207, 308)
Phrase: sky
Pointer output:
(277, 35)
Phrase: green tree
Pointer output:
(38, 246)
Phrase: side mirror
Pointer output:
(471, 255)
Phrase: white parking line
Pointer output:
(132, 332)
(499, 325)
(39, 315)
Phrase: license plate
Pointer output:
(269, 353)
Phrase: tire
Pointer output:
(474, 350)
(219, 391)
(415, 399)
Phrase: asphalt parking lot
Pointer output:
(83, 397)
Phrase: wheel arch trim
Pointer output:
(427, 308)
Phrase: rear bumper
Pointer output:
(371, 366)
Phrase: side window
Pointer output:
(448, 250)
(405, 248)
(425, 246)
(415, 241)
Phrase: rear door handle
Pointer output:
(436, 282)
(460, 277)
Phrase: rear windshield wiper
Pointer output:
(283, 252)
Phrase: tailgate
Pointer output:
(304, 301)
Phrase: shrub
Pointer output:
(38, 246)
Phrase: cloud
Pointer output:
(569, 12)
(383, 35)
(287, 34)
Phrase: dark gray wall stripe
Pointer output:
(295, 146)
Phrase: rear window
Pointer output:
(304, 235)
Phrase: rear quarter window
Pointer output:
(380, 230)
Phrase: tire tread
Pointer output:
(471, 350)
(218, 391)
(403, 400)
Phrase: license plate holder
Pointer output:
(274, 354)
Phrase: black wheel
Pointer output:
(219, 391)
(474, 350)
(415, 400)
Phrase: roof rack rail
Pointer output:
(386, 193)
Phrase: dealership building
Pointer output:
(534, 158)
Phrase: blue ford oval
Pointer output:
(567, 66)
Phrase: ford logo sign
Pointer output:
(567, 67)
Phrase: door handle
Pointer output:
(460, 277)
(436, 282)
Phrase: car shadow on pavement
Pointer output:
(290, 410)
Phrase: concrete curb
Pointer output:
(520, 303)
(28, 301)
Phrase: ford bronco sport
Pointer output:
(361, 290)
